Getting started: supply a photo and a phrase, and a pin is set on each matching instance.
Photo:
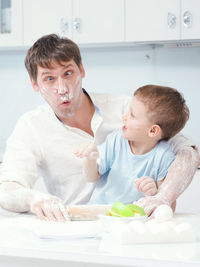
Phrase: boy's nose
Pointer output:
(124, 117)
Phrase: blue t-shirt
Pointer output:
(119, 167)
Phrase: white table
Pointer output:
(20, 247)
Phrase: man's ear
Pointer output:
(82, 71)
(155, 131)
(34, 85)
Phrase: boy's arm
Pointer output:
(89, 153)
(90, 169)
(179, 176)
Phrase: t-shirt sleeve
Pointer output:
(165, 162)
(106, 153)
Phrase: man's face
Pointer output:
(61, 87)
(136, 122)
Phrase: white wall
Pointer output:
(111, 70)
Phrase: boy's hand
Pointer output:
(146, 185)
(88, 150)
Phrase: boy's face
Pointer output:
(61, 87)
(136, 122)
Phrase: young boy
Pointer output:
(134, 160)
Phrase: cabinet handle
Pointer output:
(77, 24)
(64, 25)
(171, 20)
(187, 19)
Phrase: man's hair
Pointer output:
(48, 50)
(166, 107)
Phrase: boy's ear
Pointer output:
(34, 85)
(155, 131)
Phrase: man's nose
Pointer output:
(61, 86)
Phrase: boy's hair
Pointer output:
(48, 50)
(166, 108)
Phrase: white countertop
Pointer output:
(20, 246)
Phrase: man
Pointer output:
(44, 139)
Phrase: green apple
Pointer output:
(136, 209)
(122, 210)
(111, 213)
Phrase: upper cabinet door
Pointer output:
(98, 21)
(152, 20)
(190, 19)
(43, 17)
(11, 23)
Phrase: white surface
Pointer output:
(28, 249)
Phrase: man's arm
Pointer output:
(19, 173)
(15, 197)
(179, 176)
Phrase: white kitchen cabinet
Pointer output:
(155, 20)
(43, 17)
(11, 23)
(152, 20)
(190, 19)
(88, 21)
(98, 21)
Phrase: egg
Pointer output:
(163, 213)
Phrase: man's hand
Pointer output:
(88, 150)
(150, 203)
(146, 185)
(49, 208)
